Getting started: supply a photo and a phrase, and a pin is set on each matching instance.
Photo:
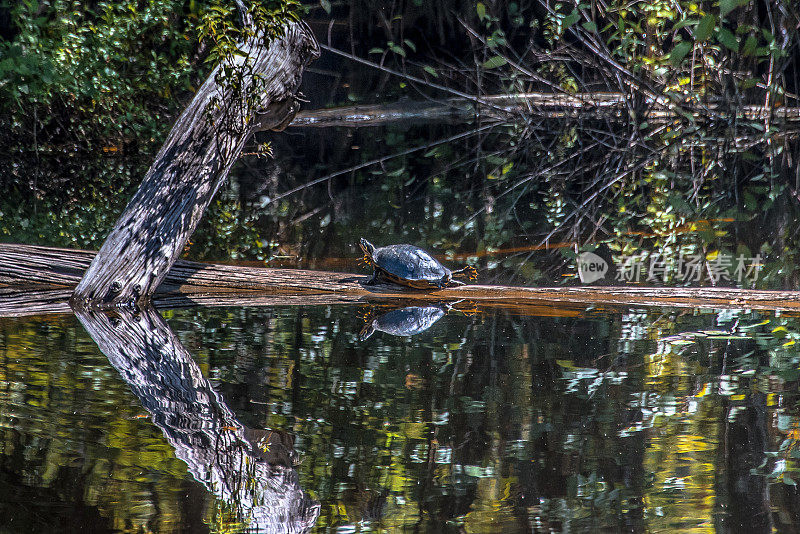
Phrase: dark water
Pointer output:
(488, 421)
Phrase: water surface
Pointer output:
(488, 421)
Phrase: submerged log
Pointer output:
(38, 275)
(249, 92)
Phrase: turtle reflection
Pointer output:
(408, 321)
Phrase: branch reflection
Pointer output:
(250, 470)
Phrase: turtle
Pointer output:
(411, 266)
(408, 321)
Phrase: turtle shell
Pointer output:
(411, 266)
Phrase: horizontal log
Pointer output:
(41, 278)
(544, 105)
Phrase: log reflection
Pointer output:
(251, 470)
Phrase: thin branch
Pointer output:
(376, 161)
(416, 79)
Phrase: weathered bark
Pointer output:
(251, 470)
(194, 161)
(191, 283)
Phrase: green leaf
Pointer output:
(481, 9)
(749, 83)
(726, 6)
(589, 26)
(750, 45)
(679, 52)
(728, 39)
(326, 5)
(571, 19)
(430, 70)
(375, 51)
(493, 62)
(685, 22)
(410, 44)
(705, 27)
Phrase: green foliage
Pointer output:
(100, 71)
(221, 25)
(231, 42)
(85, 74)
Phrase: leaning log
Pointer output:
(39, 275)
(248, 92)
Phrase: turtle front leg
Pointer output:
(373, 280)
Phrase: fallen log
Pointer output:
(251, 90)
(541, 105)
(41, 276)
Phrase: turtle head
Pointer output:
(366, 315)
(367, 247)
(366, 331)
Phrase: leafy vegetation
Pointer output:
(89, 77)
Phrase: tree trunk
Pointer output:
(254, 91)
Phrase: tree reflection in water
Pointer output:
(250, 470)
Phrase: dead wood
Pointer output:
(533, 105)
(195, 160)
(39, 277)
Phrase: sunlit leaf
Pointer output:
(705, 27)
(750, 45)
(728, 39)
(571, 19)
(494, 62)
(684, 22)
(726, 6)
(679, 52)
(481, 10)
